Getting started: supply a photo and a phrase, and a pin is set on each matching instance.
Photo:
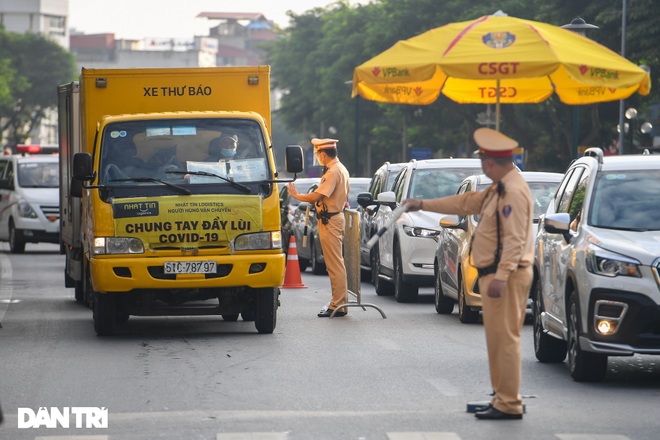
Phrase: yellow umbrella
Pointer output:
(498, 59)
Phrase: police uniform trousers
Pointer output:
(332, 238)
(503, 321)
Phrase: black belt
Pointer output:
(482, 272)
(325, 216)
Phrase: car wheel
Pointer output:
(16, 245)
(465, 314)
(267, 301)
(584, 366)
(443, 304)
(383, 288)
(372, 262)
(403, 292)
(104, 310)
(318, 268)
(546, 348)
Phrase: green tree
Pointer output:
(31, 68)
(316, 56)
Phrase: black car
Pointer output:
(288, 206)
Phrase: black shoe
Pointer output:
(327, 312)
(481, 408)
(495, 414)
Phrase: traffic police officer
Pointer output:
(330, 198)
(502, 251)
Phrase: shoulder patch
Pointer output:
(506, 210)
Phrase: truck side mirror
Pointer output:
(293, 159)
(82, 166)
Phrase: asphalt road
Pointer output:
(406, 377)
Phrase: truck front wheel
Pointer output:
(267, 300)
(104, 313)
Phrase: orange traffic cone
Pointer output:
(292, 278)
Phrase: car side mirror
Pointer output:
(7, 184)
(387, 198)
(453, 222)
(558, 223)
(365, 199)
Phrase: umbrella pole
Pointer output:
(497, 105)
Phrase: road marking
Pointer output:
(423, 436)
(591, 437)
(72, 437)
(388, 344)
(252, 436)
(445, 387)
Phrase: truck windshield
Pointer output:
(183, 151)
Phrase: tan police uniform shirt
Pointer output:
(334, 186)
(516, 223)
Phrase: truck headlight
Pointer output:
(260, 240)
(117, 245)
(25, 210)
(608, 264)
(421, 232)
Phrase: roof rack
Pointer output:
(596, 153)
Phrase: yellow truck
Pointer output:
(168, 194)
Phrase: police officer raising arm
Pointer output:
(502, 250)
(330, 198)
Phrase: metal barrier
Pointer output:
(352, 262)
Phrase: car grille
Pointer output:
(51, 212)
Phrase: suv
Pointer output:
(598, 264)
(381, 181)
(29, 197)
(403, 257)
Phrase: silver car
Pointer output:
(598, 264)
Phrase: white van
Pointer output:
(29, 197)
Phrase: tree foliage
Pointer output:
(315, 58)
(31, 68)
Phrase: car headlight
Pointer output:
(260, 240)
(413, 231)
(608, 264)
(25, 210)
(117, 245)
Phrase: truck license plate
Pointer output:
(190, 267)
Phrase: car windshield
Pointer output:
(192, 151)
(627, 200)
(38, 175)
(542, 194)
(432, 183)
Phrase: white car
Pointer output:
(29, 198)
(404, 254)
(598, 260)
